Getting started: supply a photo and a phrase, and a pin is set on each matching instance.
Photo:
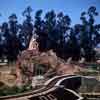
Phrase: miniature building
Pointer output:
(24, 66)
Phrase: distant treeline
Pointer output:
(54, 31)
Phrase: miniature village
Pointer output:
(34, 69)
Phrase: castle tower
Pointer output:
(33, 45)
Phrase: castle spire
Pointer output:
(33, 43)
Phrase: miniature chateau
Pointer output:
(33, 65)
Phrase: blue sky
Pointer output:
(71, 7)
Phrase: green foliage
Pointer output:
(89, 33)
(54, 31)
(5, 90)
